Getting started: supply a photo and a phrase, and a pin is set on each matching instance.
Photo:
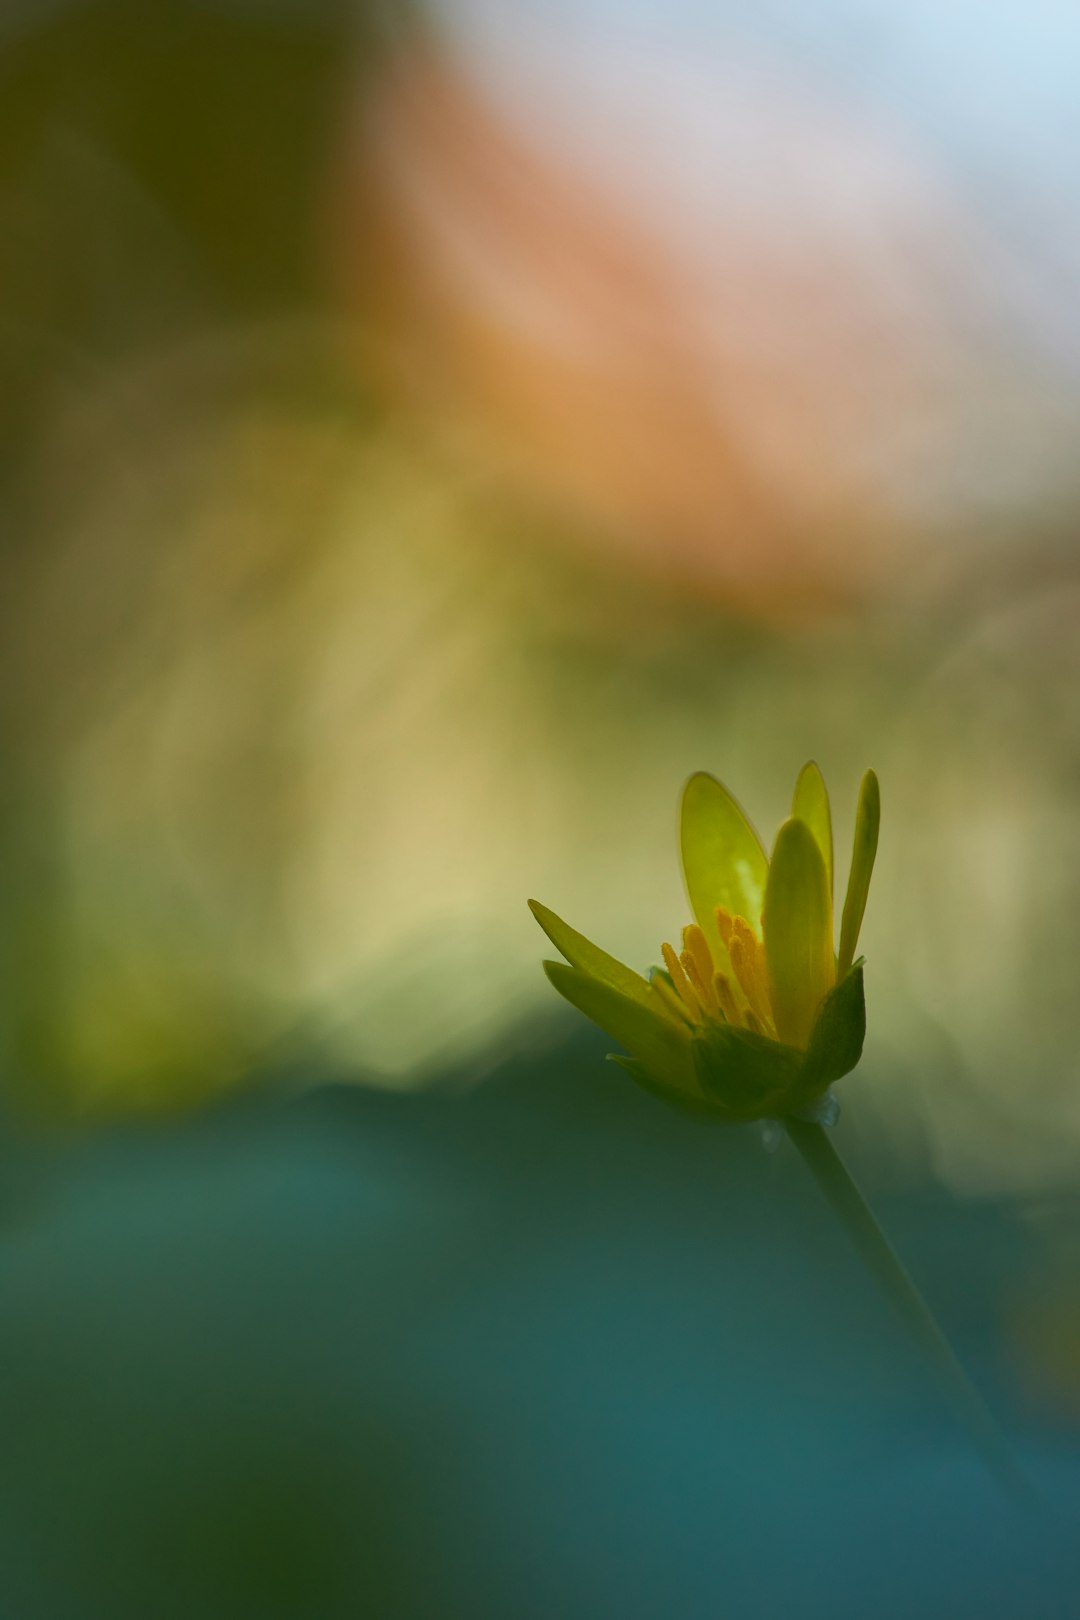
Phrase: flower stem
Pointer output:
(881, 1260)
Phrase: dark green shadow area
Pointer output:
(542, 1349)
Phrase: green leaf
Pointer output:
(836, 1042)
(867, 822)
(748, 1075)
(650, 1036)
(724, 862)
(811, 804)
(582, 953)
(798, 932)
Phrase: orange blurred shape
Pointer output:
(715, 410)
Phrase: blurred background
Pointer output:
(427, 433)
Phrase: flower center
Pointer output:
(732, 991)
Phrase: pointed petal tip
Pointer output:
(795, 840)
(863, 855)
(810, 802)
(696, 783)
(869, 801)
(556, 930)
(562, 974)
(809, 787)
(795, 830)
(594, 962)
(704, 782)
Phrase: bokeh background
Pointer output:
(426, 434)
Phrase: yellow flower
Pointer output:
(756, 1015)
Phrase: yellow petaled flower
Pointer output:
(757, 1014)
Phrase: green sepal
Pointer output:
(836, 1042)
(693, 1107)
(591, 959)
(651, 1037)
(748, 1075)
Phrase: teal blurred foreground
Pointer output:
(540, 1350)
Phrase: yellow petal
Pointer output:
(867, 822)
(724, 863)
(811, 804)
(652, 1037)
(798, 932)
(582, 953)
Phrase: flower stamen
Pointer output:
(695, 942)
(672, 1002)
(702, 987)
(748, 965)
(725, 995)
(682, 984)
